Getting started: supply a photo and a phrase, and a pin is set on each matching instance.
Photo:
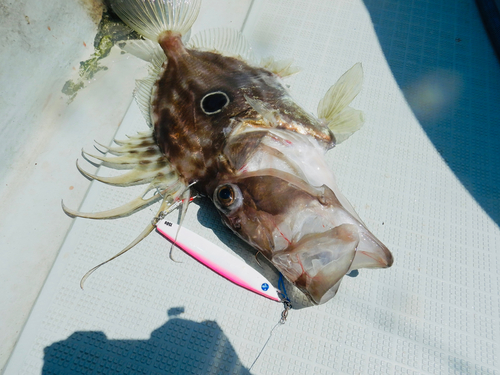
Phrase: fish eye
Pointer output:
(214, 102)
(228, 198)
(226, 195)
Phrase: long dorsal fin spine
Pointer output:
(146, 164)
(167, 201)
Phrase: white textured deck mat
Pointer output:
(423, 174)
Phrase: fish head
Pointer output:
(295, 218)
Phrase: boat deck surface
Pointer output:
(423, 173)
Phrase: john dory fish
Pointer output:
(224, 126)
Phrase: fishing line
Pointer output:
(287, 306)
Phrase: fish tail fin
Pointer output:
(151, 18)
(334, 108)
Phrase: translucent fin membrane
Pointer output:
(152, 53)
(227, 42)
(152, 17)
(282, 68)
(334, 108)
(146, 50)
(144, 91)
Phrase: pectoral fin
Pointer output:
(334, 108)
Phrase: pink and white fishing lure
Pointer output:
(217, 259)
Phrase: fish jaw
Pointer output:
(282, 199)
(317, 263)
(304, 231)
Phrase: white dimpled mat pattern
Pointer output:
(422, 173)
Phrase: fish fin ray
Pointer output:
(146, 49)
(140, 154)
(227, 42)
(136, 176)
(185, 200)
(346, 123)
(334, 108)
(146, 164)
(149, 228)
(121, 211)
(119, 162)
(166, 189)
(144, 87)
(142, 95)
(282, 68)
(151, 18)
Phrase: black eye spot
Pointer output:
(214, 102)
(226, 195)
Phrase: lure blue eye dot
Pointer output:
(265, 286)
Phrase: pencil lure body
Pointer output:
(218, 260)
(225, 125)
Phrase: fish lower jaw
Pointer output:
(317, 263)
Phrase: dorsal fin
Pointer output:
(227, 42)
(156, 172)
(147, 165)
(166, 203)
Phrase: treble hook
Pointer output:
(257, 258)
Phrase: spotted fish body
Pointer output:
(193, 140)
(226, 127)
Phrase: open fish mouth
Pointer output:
(318, 261)
(285, 202)
(311, 238)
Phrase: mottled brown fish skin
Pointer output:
(193, 140)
